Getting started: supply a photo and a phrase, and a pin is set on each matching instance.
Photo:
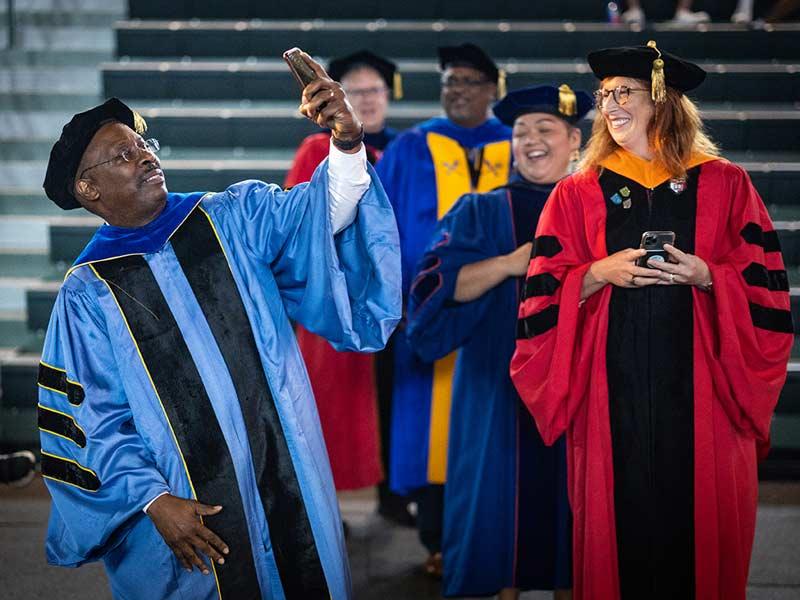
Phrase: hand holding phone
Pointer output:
(298, 66)
(324, 101)
(653, 242)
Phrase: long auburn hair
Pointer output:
(675, 133)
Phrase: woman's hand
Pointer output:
(618, 269)
(687, 269)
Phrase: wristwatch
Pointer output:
(348, 144)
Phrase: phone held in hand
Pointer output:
(653, 242)
(301, 70)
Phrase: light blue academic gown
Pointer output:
(170, 364)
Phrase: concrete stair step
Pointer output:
(72, 79)
(63, 17)
(13, 330)
(17, 264)
(270, 79)
(415, 39)
(42, 6)
(44, 100)
(17, 201)
(31, 37)
(44, 58)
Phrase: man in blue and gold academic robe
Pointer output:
(424, 171)
(178, 427)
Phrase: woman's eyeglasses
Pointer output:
(621, 93)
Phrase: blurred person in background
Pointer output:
(663, 372)
(424, 171)
(684, 15)
(507, 523)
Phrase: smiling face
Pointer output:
(124, 193)
(466, 95)
(367, 92)
(628, 123)
(542, 145)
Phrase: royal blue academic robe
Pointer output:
(507, 519)
(170, 365)
(424, 171)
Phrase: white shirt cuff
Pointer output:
(348, 180)
(147, 506)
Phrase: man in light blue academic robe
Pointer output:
(178, 427)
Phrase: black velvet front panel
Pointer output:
(190, 414)
(651, 398)
(206, 268)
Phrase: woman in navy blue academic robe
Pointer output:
(507, 523)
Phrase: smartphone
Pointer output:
(653, 242)
(301, 70)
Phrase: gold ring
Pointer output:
(672, 277)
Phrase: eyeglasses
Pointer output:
(130, 153)
(452, 82)
(366, 92)
(621, 94)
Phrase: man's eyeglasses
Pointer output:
(452, 82)
(130, 153)
(621, 94)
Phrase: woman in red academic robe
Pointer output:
(665, 376)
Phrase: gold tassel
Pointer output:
(501, 84)
(567, 102)
(139, 124)
(658, 86)
(397, 85)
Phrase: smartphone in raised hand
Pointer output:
(301, 70)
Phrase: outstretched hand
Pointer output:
(179, 521)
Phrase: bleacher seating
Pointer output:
(209, 80)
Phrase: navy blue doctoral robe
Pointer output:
(424, 171)
(507, 520)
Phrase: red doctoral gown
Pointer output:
(343, 382)
(738, 340)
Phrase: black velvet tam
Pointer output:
(542, 99)
(75, 138)
(468, 55)
(637, 62)
(339, 67)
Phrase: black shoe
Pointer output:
(397, 514)
(17, 469)
(346, 529)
